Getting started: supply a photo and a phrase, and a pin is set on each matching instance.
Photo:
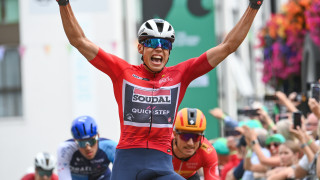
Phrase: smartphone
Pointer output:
(248, 112)
(315, 91)
(296, 119)
(270, 97)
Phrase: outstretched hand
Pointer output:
(314, 106)
(249, 133)
(299, 134)
(282, 97)
(240, 129)
(63, 2)
(217, 113)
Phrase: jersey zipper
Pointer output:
(151, 118)
(180, 167)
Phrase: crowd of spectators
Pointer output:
(268, 146)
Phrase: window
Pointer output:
(10, 70)
(10, 83)
(9, 11)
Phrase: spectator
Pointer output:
(289, 155)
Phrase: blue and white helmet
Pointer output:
(84, 127)
(156, 28)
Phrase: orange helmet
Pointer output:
(190, 119)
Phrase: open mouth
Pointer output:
(156, 59)
(189, 148)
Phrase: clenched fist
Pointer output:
(255, 4)
(63, 2)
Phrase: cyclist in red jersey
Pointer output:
(148, 95)
(191, 150)
(44, 165)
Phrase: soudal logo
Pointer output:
(154, 97)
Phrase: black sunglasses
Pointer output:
(274, 144)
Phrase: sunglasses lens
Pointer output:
(90, 142)
(44, 173)
(187, 136)
(154, 43)
(273, 144)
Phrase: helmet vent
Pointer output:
(160, 27)
(191, 114)
(84, 129)
(78, 131)
(91, 129)
(148, 26)
(170, 27)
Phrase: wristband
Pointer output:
(271, 125)
(249, 153)
(309, 142)
(254, 142)
(303, 145)
(63, 2)
(255, 4)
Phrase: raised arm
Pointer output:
(235, 37)
(253, 167)
(284, 100)
(255, 146)
(74, 32)
(314, 107)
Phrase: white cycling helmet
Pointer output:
(156, 28)
(45, 161)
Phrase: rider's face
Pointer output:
(154, 58)
(185, 148)
(89, 151)
(41, 175)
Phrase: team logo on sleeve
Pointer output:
(206, 148)
(141, 78)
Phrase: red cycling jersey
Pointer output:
(31, 176)
(205, 157)
(148, 102)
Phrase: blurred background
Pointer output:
(45, 83)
